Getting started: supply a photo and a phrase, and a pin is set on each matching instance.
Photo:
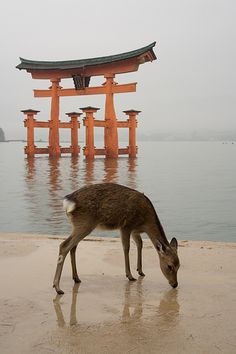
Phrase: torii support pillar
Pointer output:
(75, 125)
(132, 131)
(29, 123)
(89, 149)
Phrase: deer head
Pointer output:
(169, 261)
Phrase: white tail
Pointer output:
(68, 205)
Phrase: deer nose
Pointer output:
(174, 285)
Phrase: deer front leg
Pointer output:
(64, 248)
(125, 238)
(73, 265)
(79, 232)
(139, 243)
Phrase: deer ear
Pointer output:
(174, 243)
(160, 247)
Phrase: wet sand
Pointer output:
(108, 314)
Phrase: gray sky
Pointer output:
(191, 86)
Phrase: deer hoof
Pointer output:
(131, 278)
(59, 291)
(77, 280)
(141, 274)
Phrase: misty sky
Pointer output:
(190, 87)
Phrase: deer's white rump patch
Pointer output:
(68, 205)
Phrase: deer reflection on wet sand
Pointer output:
(137, 315)
(57, 306)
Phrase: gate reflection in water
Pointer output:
(48, 180)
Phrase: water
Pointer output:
(191, 184)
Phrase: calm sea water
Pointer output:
(191, 184)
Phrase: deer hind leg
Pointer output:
(66, 246)
(73, 265)
(125, 238)
(139, 243)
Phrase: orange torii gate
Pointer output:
(81, 72)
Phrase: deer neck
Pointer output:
(157, 234)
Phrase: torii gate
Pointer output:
(81, 71)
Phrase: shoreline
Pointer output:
(91, 238)
(106, 313)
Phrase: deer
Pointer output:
(112, 206)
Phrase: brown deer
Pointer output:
(112, 206)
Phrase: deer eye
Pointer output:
(170, 267)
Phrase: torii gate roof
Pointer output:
(119, 63)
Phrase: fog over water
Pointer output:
(191, 87)
(191, 184)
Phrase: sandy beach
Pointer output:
(106, 313)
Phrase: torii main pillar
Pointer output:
(54, 139)
(111, 134)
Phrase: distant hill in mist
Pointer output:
(207, 135)
(203, 135)
(189, 136)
